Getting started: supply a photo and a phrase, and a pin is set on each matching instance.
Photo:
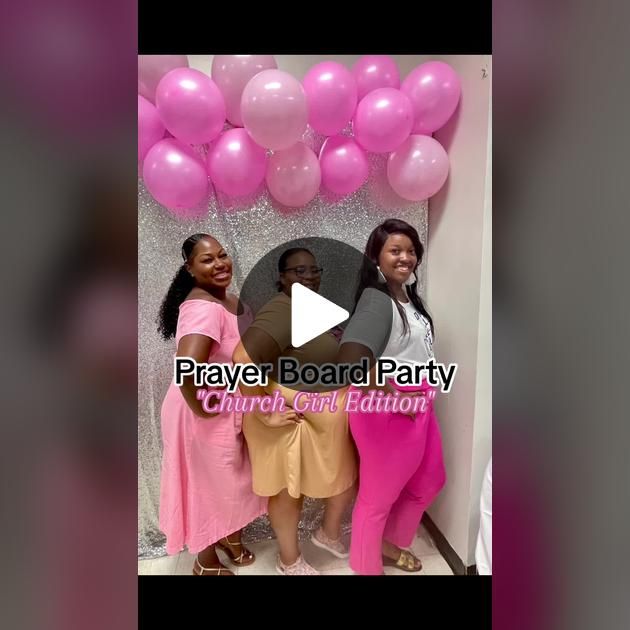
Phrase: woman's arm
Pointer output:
(197, 347)
(258, 347)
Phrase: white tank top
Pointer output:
(415, 346)
(377, 324)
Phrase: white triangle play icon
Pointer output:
(311, 315)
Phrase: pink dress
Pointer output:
(206, 484)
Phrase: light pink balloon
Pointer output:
(375, 71)
(150, 127)
(383, 120)
(231, 73)
(175, 175)
(418, 169)
(344, 165)
(190, 105)
(434, 90)
(293, 175)
(151, 68)
(331, 96)
(236, 164)
(274, 109)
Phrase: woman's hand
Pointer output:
(202, 414)
(412, 412)
(280, 418)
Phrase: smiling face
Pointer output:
(398, 258)
(210, 265)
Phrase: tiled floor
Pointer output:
(423, 546)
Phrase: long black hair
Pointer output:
(369, 275)
(284, 257)
(181, 286)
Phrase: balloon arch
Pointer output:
(359, 110)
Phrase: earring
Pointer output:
(381, 276)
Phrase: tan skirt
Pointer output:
(315, 458)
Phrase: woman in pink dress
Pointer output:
(206, 494)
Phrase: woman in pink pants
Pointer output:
(401, 469)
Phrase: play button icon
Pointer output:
(312, 315)
(294, 304)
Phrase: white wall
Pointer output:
(482, 433)
(459, 295)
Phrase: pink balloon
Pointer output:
(434, 90)
(175, 175)
(150, 127)
(231, 73)
(293, 175)
(375, 71)
(274, 109)
(344, 165)
(151, 68)
(236, 164)
(190, 105)
(418, 169)
(331, 95)
(383, 120)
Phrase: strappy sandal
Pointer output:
(406, 562)
(245, 558)
(217, 570)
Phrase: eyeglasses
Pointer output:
(300, 272)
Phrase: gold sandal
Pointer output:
(218, 570)
(406, 562)
(245, 558)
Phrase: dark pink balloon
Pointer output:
(434, 89)
(383, 120)
(344, 165)
(190, 105)
(236, 164)
(331, 94)
(175, 175)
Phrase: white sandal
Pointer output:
(244, 559)
(210, 569)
